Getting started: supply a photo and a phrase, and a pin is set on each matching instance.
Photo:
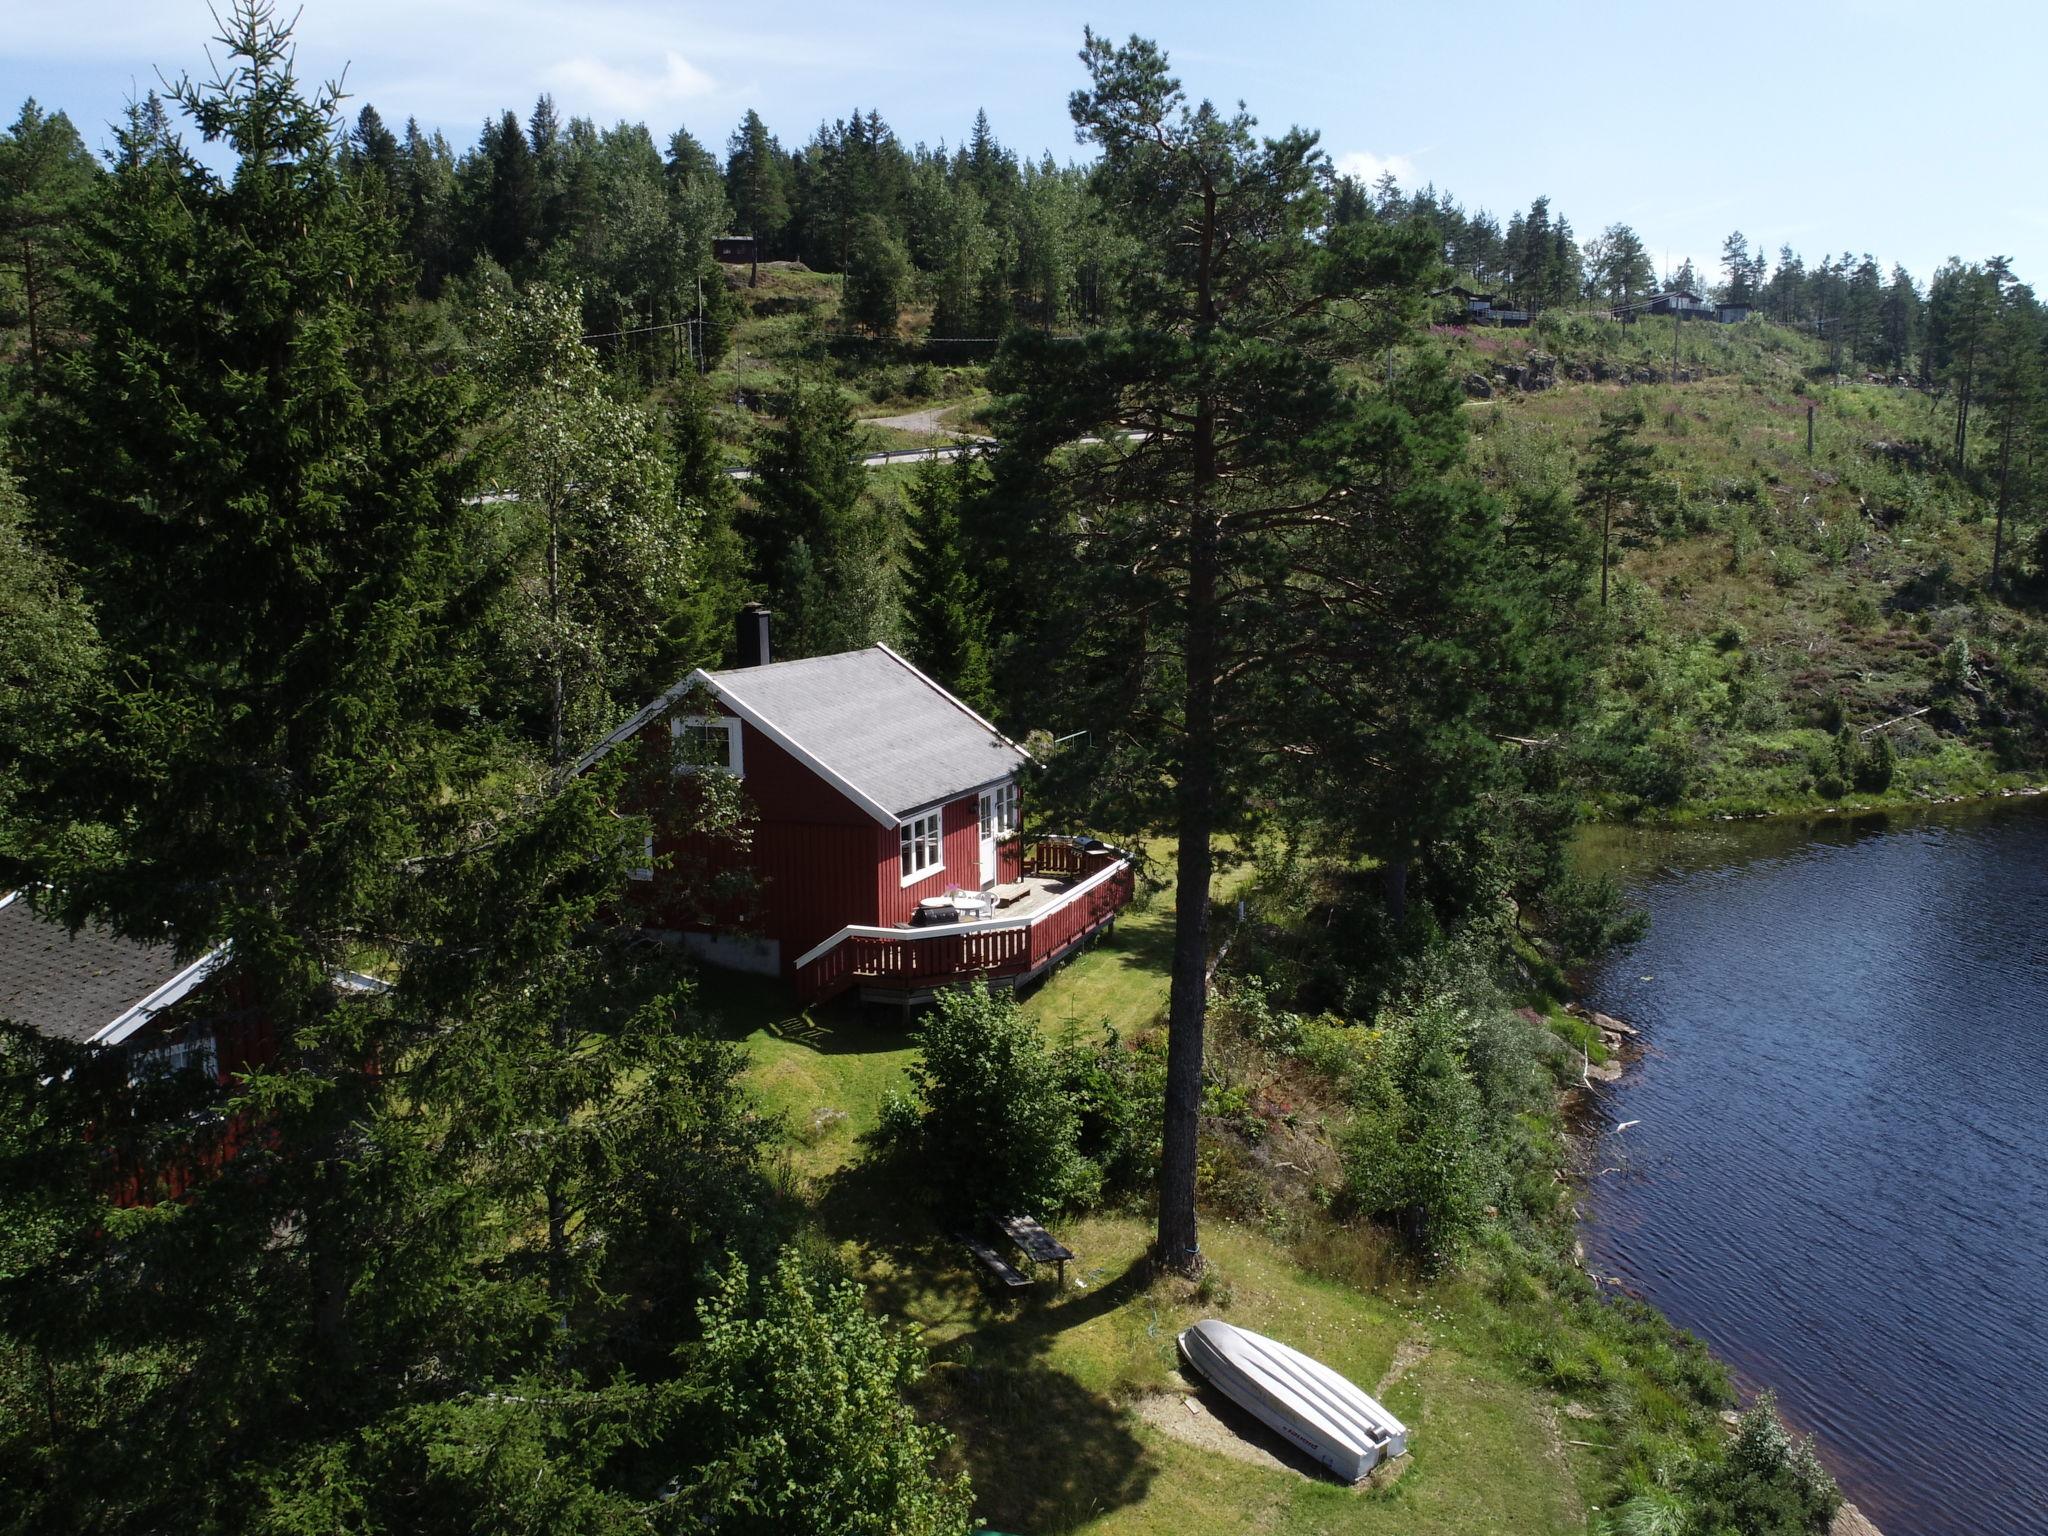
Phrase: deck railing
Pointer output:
(914, 958)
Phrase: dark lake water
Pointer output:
(1839, 1174)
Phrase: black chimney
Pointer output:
(753, 651)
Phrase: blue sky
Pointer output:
(1911, 131)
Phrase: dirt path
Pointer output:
(1183, 1416)
(926, 420)
(1410, 1353)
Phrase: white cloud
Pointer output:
(593, 86)
(1365, 166)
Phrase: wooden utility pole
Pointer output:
(1809, 429)
(1675, 318)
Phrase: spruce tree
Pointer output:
(756, 183)
(256, 480)
(1615, 475)
(50, 660)
(47, 178)
(945, 608)
(877, 277)
(819, 549)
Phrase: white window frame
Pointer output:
(735, 755)
(196, 1048)
(917, 838)
(1007, 809)
(645, 869)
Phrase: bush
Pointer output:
(1878, 766)
(1412, 1155)
(803, 1423)
(999, 1131)
(1586, 916)
(1119, 1094)
(1787, 568)
(1767, 1483)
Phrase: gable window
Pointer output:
(192, 1051)
(923, 847)
(999, 812)
(703, 742)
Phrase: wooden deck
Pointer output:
(1074, 895)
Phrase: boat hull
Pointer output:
(1301, 1399)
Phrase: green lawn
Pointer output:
(1056, 1402)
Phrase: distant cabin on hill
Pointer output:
(1685, 304)
(733, 250)
(886, 854)
(1483, 309)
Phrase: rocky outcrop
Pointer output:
(1478, 386)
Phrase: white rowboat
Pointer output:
(1302, 1399)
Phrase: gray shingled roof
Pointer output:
(876, 724)
(70, 986)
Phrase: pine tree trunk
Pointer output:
(1394, 890)
(1179, 1248)
(1963, 406)
(1188, 1001)
(2004, 496)
(555, 701)
(1606, 520)
(29, 299)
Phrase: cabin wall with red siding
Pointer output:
(813, 849)
(960, 838)
(820, 862)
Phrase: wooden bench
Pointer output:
(1036, 1244)
(996, 1264)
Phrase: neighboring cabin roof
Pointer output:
(91, 987)
(867, 722)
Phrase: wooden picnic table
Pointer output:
(1036, 1244)
(994, 1262)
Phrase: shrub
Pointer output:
(803, 1422)
(1877, 766)
(1586, 916)
(1787, 568)
(1119, 1094)
(999, 1131)
(1412, 1156)
(1766, 1484)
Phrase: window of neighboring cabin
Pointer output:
(999, 811)
(923, 847)
(702, 743)
(644, 870)
(195, 1052)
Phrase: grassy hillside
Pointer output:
(1776, 615)
(1531, 1402)
(1768, 600)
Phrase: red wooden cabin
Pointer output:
(158, 1014)
(886, 853)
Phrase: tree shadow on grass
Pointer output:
(736, 1005)
(1045, 1453)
